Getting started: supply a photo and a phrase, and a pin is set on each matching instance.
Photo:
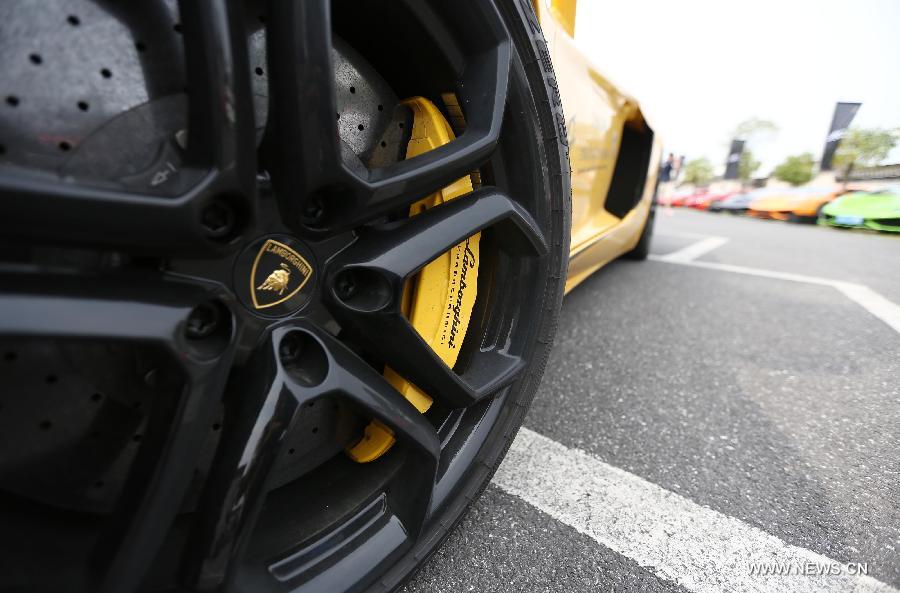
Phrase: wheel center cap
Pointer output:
(275, 275)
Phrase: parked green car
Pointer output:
(878, 210)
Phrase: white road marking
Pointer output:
(675, 538)
(872, 302)
(694, 250)
(745, 270)
(864, 296)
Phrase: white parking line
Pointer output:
(673, 537)
(864, 296)
(694, 250)
(872, 302)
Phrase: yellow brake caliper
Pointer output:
(440, 297)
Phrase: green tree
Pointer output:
(795, 170)
(698, 171)
(747, 166)
(865, 147)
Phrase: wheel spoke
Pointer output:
(323, 187)
(378, 265)
(399, 250)
(235, 488)
(162, 472)
(407, 353)
(483, 91)
(297, 365)
(112, 308)
(302, 98)
(368, 390)
(115, 309)
(46, 209)
(221, 109)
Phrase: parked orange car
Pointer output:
(797, 205)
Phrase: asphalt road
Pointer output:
(773, 405)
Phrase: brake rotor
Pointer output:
(96, 92)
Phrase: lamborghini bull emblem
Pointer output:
(278, 274)
(277, 280)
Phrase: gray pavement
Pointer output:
(866, 257)
(773, 402)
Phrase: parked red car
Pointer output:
(678, 198)
(703, 200)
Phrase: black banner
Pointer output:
(843, 115)
(734, 159)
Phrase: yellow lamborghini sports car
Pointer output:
(798, 205)
(279, 278)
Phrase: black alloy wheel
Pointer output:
(173, 415)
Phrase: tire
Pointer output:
(642, 249)
(210, 287)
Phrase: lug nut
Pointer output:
(345, 285)
(313, 210)
(290, 349)
(218, 219)
(363, 289)
(202, 321)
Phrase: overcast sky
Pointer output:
(699, 67)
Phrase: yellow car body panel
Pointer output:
(597, 114)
